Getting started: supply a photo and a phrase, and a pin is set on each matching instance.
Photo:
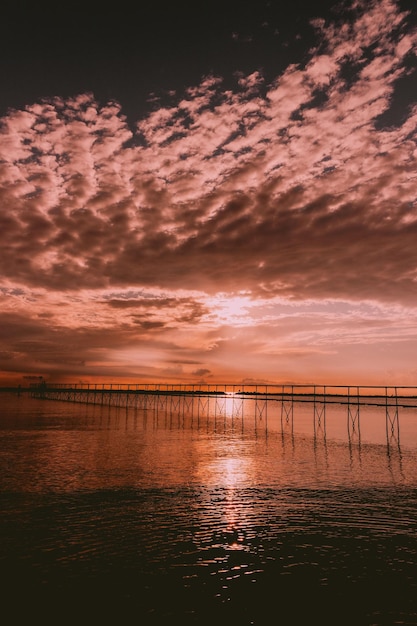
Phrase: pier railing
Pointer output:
(366, 394)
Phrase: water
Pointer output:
(164, 516)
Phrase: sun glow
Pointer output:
(234, 310)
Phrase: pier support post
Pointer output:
(319, 412)
(287, 408)
(353, 423)
(391, 415)
(260, 404)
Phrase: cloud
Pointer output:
(293, 189)
(201, 372)
(296, 177)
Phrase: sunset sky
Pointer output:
(227, 194)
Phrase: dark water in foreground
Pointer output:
(150, 517)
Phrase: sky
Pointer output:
(220, 195)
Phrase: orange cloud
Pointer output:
(291, 191)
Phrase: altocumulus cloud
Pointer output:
(297, 189)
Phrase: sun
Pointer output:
(233, 310)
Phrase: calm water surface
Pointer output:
(165, 516)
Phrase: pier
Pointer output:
(237, 400)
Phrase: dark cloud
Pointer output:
(148, 324)
(201, 372)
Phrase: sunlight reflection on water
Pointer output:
(221, 514)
